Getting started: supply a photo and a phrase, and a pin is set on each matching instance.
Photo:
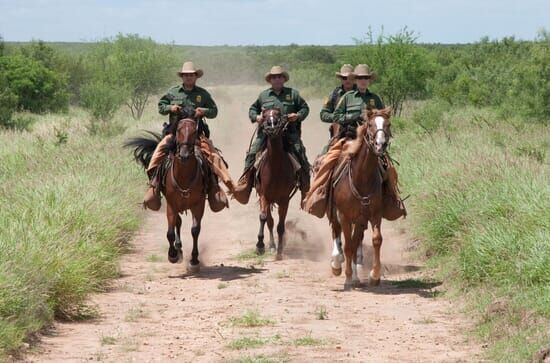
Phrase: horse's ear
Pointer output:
(369, 112)
(388, 111)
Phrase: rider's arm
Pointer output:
(164, 104)
(254, 110)
(301, 106)
(327, 112)
(210, 107)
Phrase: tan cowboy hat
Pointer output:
(345, 71)
(277, 70)
(363, 70)
(189, 67)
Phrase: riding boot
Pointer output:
(394, 207)
(151, 199)
(244, 187)
(217, 200)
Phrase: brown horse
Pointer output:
(277, 180)
(357, 197)
(184, 184)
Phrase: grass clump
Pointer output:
(251, 319)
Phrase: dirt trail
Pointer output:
(156, 312)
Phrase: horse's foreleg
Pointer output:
(337, 253)
(270, 224)
(349, 250)
(178, 244)
(357, 262)
(374, 276)
(197, 213)
(283, 209)
(174, 254)
(264, 206)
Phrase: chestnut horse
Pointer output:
(277, 180)
(357, 197)
(184, 185)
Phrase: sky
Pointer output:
(276, 22)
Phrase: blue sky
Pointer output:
(261, 22)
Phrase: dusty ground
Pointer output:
(156, 312)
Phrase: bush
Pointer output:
(38, 89)
(102, 99)
(8, 102)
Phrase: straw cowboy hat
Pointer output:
(345, 71)
(362, 70)
(277, 70)
(189, 67)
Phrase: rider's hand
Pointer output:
(199, 112)
(175, 108)
(259, 119)
(292, 117)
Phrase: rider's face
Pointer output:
(347, 82)
(277, 81)
(189, 79)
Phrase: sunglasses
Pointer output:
(362, 77)
(344, 78)
(277, 76)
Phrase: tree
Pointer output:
(8, 102)
(403, 68)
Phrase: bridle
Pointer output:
(270, 125)
(185, 193)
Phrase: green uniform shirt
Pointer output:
(197, 97)
(353, 103)
(289, 101)
(327, 112)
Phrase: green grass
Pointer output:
(307, 341)
(480, 208)
(246, 343)
(67, 210)
(251, 319)
(252, 257)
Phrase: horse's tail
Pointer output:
(144, 147)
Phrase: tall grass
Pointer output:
(67, 207)
(481, 193)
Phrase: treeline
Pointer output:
(508, 74)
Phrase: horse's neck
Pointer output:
(364, 165)
(275, 150)
(185, 171)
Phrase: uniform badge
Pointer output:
(288, 98)
(371, 102)
(198, 99)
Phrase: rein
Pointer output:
(185, 193)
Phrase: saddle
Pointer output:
(166, 164)
(260, 159)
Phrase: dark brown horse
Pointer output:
(357, 197)
(184, 185)
(277, 181)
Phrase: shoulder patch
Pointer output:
(289, 97)
(326, 101)
(372, 102)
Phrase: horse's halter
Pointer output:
(370, 139)
(189, 144)
(274, 123)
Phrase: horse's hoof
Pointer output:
(272, 250)
(374, 282)
(279, 257)
(348, 286)
(193, 268)
(336, 271)
(174, 256)
(356, 284)
(260, 251)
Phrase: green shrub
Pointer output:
(38, 89)
(102, 99)
(8, 102)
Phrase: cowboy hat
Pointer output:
(189, 67)
(345, 71)
(277, 70)
(362, 70)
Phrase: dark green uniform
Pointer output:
(289, 101)
(197, 97)
(352, 104)
(327, 112)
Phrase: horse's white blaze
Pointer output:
(380, 136)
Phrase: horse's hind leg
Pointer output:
(374, 275)
(197, 212)
(270, 224)
(283, 209)
(337, 257)
(174, 254)
(264, 207)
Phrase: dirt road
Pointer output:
(243, 308)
